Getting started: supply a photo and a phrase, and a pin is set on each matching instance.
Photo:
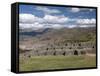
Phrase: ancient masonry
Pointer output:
(65, 49)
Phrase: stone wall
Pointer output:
(65, 49)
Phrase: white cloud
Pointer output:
(57, 26)
(47, 10)
(87, 26)
(75, 10)
(91, 10)
(72, 26)
(29, 21)
(86, 21)
(34, 26)
(55, 19)
(27, 18)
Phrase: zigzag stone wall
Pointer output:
(66, 49)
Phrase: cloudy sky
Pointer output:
(36, 17)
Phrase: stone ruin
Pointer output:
(63, 49)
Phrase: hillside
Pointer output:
(62, 35)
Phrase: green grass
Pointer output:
(56, 62)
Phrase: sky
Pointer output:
(35, 17)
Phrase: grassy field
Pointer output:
(56, 62)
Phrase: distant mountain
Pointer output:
(34, 33)
(23, 35)
(61, 35)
